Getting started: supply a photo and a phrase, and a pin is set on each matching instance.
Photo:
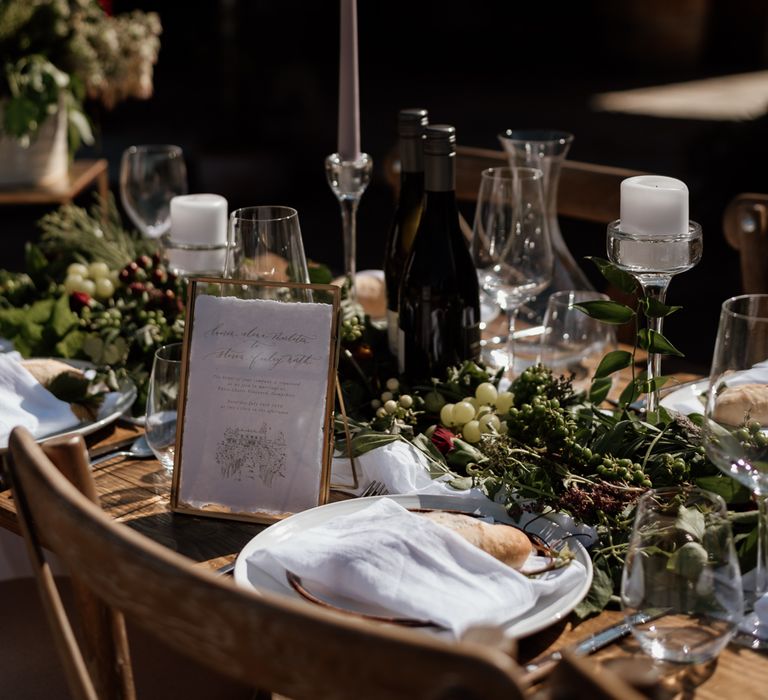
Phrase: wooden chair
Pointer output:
(587, 191)
(262, 639)
(745, 223)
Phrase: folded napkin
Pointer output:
(397, 561)
(24, 401)
(401, 467)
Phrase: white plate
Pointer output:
(548, 609)
(685, 399)
(115, 404)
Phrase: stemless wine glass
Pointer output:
(572, 342)
(681, 585)
(736, 429)
(162, 403)
(511, 247)
(150, 176)
(265, 245)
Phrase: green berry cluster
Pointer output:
(538, 380)
(352, 329)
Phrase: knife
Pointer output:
(540, 667)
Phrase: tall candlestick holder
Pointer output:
(348, 180)
(653, 260)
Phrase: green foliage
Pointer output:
(647, 338)
(57, 52)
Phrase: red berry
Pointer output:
(144, 261)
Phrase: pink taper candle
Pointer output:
(349, 91)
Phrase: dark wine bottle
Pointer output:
(410, 129)
(439, 295)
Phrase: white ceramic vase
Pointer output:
(44, 163)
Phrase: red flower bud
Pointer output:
(442, 439)
(78, 300)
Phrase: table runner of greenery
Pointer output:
(93, 290)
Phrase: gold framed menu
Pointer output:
(256, 399)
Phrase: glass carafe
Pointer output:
(545, 150)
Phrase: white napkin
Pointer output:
(409, 566)
(24, 401)
(401, 467)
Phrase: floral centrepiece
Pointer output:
(93, 291)
(540, 446)
(60, 52)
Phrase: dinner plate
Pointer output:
(686, 398)
(547, 610)
(115, 404)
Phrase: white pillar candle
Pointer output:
(349, 97)
(654, 205)
(199, 219)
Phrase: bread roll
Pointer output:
(505, 543)
(743, 402)
(46, 370)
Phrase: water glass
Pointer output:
(572, 342)
(736, 431)
(511, 248)
(265, 245)
(150, 176)
(162, 403)
(682, 571)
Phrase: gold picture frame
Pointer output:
(257, 358)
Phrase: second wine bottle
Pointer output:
(439, 320)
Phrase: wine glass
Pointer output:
(150, 176)
(572, 342)
(511, 247)
(681, 585)
(265, 245)
(162, 403)
(736, 429)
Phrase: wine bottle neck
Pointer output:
(440, 172)
(411, 154)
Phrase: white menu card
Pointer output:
(255, 411)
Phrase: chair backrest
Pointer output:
(587, 191)
(266, 640)
(745, 223)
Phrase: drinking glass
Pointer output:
(150, 176)
(265, 245)
(736, 429)
(682, 573)
(572, 342)
(511, 247)
(162, 403)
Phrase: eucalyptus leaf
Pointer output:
(63, 319)
(367, 441)
(606, 311)
(630, 393)
(650, 340)
(71, 344)
(653, 308)
(691, 520)
(730, 489)
(599, 389)
(597, 597)
(618, 278)
(613, 362)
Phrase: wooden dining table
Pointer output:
(136, 492)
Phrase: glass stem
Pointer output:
(654, 289)
(349, 225)
(511, 318)
(761, 568)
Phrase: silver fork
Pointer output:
(375, 488)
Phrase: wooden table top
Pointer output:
(137, 493)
